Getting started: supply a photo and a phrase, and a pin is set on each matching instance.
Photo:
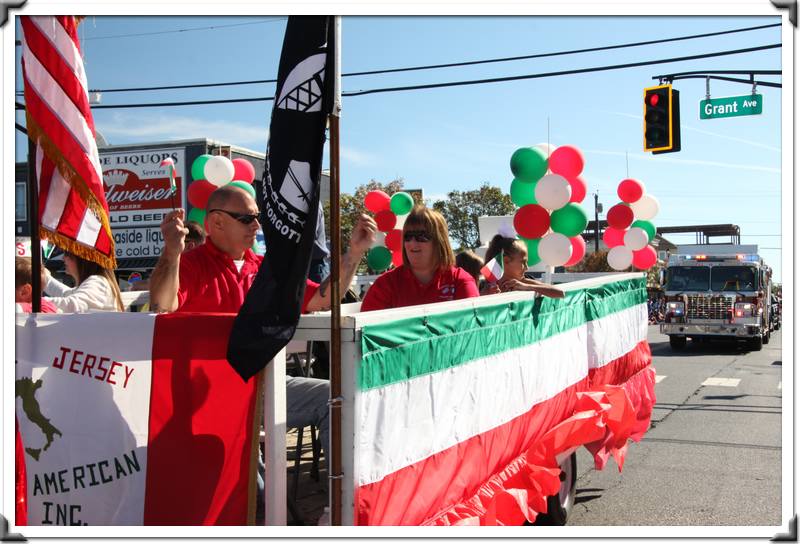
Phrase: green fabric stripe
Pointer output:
(402, 349)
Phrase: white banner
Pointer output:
(71, 388)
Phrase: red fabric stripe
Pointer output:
(61, 72)
(72, 216)
(201, 416)
(103, 242)
(466, 476)
(66, 143)
(45, 179)
(21, 480)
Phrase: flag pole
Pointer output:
(335, 488)
(33, 213)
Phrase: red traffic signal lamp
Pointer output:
(662, 120)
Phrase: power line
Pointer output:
(438, 66)
(454, 83)
(215, 27)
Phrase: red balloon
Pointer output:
(620, 216)
(243, 170)
(376, 201)
(645, 257)
(394, 240)
(578, 189)
(630, 190)
(199, 191)
(386, 220)
(566, 161)
(578, 250)
(397, 258)
(613, 237)
(532, 221)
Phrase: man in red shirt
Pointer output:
(216, 276)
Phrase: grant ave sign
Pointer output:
(731, 106)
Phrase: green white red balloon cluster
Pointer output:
(630, 230)
(390, 214)
(548, 189)
(210, 172)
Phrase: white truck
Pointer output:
(716, 291)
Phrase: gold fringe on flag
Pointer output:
(90, 253)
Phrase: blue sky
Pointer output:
(729, 170)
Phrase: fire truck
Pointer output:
(717, 291)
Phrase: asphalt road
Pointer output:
(713, 453)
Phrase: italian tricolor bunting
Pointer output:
(462, 417)
(493, 270)
(133, 419)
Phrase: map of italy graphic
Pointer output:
(25, 388)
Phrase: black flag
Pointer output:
(290, 184)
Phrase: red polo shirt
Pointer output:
(399, 287)
(209, 281)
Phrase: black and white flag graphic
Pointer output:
(290, 183)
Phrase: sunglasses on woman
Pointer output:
(418, 235)
(243, 218)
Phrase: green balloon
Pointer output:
(533, 250)
(379, 258)
(570, 220)
(522, 192)
(646, 226)
(198, 167)
(401, 203)
(198, 215)
(528, 164)
(244, 185)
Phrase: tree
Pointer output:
(461, 210)
(595, 261)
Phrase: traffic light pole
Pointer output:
(596, 225)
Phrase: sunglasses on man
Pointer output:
(243, 218)
(418, 235)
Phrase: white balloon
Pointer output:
(635, 239)
(620, 257)
(219, 170)
(401, 220)
(555, 249)
(553, 191)
(645, 208)
(547, 148)
(380, 239)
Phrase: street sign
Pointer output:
(731, 106)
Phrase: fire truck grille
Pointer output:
(709, 307)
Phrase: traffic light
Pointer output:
(662, 119)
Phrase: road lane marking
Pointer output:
(659, 378)
(722, 382)
(779, 383)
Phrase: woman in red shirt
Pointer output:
(428, 273)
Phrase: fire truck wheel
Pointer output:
(677, 342)
(559, 506)
(755, 343)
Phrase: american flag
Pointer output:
(73, 212)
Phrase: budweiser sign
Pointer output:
(138, 187)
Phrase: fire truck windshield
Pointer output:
(687, 278)
(733, 278)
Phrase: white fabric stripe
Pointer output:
(56, 200)
(62, 42)
(613, 336)
(90, 228)
(404, 423)
(61, 106)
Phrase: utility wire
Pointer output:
(447, 65)
(454, 83)
(215, 27)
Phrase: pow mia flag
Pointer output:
(290, 182)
